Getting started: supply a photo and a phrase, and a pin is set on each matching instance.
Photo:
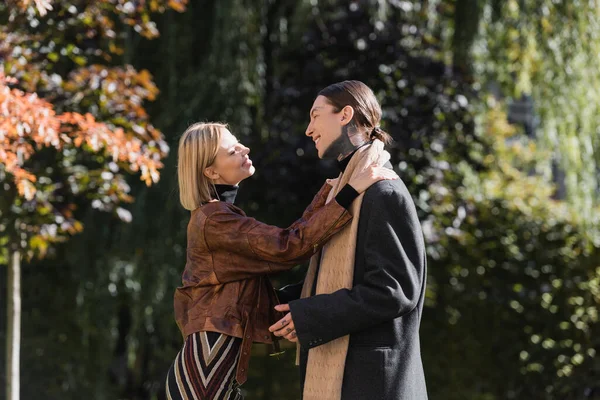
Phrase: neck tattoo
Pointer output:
(344, 145)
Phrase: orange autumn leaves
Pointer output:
(43, 6)
(28, 123)
(72, 119)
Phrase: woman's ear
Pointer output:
(347, 115)
(210, 173)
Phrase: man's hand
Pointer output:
(285, 326)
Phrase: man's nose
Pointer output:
(245, 150)
(309, 130)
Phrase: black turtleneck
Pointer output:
(347, 195)
(343, 163)
(226, 193)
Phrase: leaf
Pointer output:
(40, 244)
(26, 189)
(80, 60)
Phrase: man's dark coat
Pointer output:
(382, 311)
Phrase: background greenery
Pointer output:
(493, 106)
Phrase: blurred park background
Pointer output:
(494, 108)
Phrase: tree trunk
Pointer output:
(467, 15)
(13, 334)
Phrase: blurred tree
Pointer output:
(36, 210)
(52, 163)
(514, 276)
(549, 50)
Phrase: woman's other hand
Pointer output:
(370, 175)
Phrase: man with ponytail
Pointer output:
(356, 317)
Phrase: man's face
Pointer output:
(325, 126)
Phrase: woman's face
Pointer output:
(232, 164)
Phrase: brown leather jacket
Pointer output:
(225, 287)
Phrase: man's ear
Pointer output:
(210, 173)
(347, 115)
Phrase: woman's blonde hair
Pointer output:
(198, 147)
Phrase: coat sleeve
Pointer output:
(226, 230)
(393, 277)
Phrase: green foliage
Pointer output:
(550, 50)
(515, 279)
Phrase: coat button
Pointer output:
(247, 336)
(266, 336)
(245, 353)
(243, 370)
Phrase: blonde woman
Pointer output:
(226, 301)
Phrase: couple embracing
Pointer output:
(356, 316)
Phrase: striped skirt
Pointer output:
(205, 368)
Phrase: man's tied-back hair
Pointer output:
(367, 111)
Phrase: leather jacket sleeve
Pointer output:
(228, 231)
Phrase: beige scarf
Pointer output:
(325, 369)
